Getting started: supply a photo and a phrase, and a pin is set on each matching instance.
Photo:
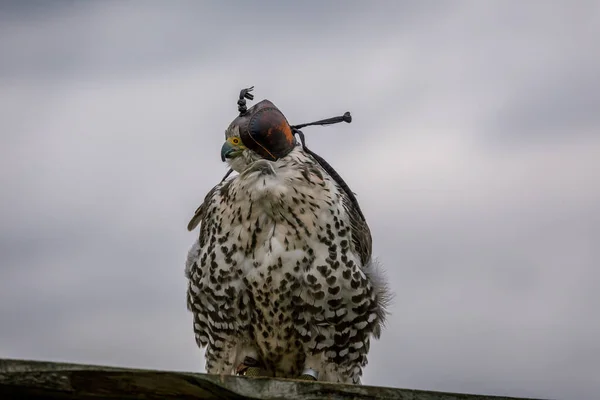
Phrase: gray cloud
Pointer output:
(473, 152)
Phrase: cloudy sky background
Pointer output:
(475, 153)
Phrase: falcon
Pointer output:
(281, 280)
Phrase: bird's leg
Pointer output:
(312, 366)
(251, 367)
(318, 367)
(248, 362)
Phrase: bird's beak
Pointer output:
(226, 150)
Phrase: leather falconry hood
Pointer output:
(265, 130)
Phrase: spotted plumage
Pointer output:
(282, 271)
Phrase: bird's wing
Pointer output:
(361, 234)
(201, 211)
(210, 201)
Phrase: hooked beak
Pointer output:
(227, 150)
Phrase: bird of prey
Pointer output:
(281, 280)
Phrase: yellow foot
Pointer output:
(250, 367)
(254, 371)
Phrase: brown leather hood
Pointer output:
(265, 130)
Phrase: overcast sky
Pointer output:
(474, 150)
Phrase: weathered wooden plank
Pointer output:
(48, 380)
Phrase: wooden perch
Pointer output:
(48, 380)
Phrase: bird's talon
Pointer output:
(252, 371)
(250, 367)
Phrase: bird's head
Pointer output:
(261, 132)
